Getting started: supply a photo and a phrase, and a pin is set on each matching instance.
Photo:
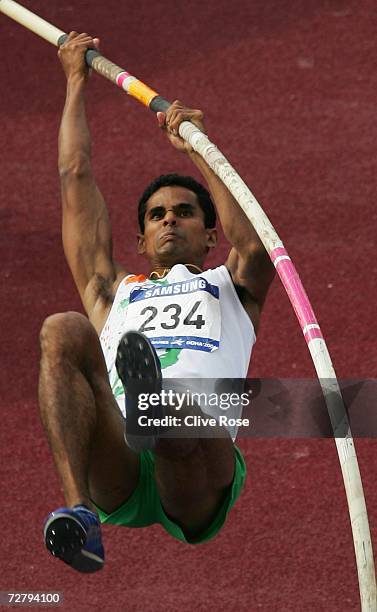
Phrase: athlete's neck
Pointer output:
(161, 272)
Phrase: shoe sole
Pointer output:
(139, 369)
(65, 538)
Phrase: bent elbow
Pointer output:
(77, 167)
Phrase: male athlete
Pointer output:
(181, 322)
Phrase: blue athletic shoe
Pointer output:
(74, 536)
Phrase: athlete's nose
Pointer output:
(170, 218)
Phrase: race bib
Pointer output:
(179, 315)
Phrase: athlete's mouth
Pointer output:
(169, 236)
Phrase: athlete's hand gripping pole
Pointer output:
(288, 275)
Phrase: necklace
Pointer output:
(165, 271)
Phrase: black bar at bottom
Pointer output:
(62, 39)
(159, 104)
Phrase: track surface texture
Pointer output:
(289, 90)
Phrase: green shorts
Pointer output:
(144, 507)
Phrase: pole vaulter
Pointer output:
(286, 271)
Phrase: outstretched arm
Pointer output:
(248, 262)
(87, 237)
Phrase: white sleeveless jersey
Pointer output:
(196, 322)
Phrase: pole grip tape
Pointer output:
(62, 39)
(111, 71)
(90, 55)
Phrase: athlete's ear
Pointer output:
(140, 244)
(211, 237)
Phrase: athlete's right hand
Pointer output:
(72, 54)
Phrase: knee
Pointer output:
(60, 332)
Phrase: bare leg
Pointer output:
(82, 420)
(193, 476)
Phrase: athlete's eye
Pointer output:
(155, 215)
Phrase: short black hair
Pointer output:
(172, 180)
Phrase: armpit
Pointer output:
(100, 287)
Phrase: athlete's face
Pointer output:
(174, 229)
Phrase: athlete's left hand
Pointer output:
(171, 120)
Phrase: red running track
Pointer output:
(289, 91)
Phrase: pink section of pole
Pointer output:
(296, 292)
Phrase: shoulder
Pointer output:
(248, 302)
(235, 295)
(252, 275)
(219, 274)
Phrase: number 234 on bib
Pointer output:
(178, 315)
